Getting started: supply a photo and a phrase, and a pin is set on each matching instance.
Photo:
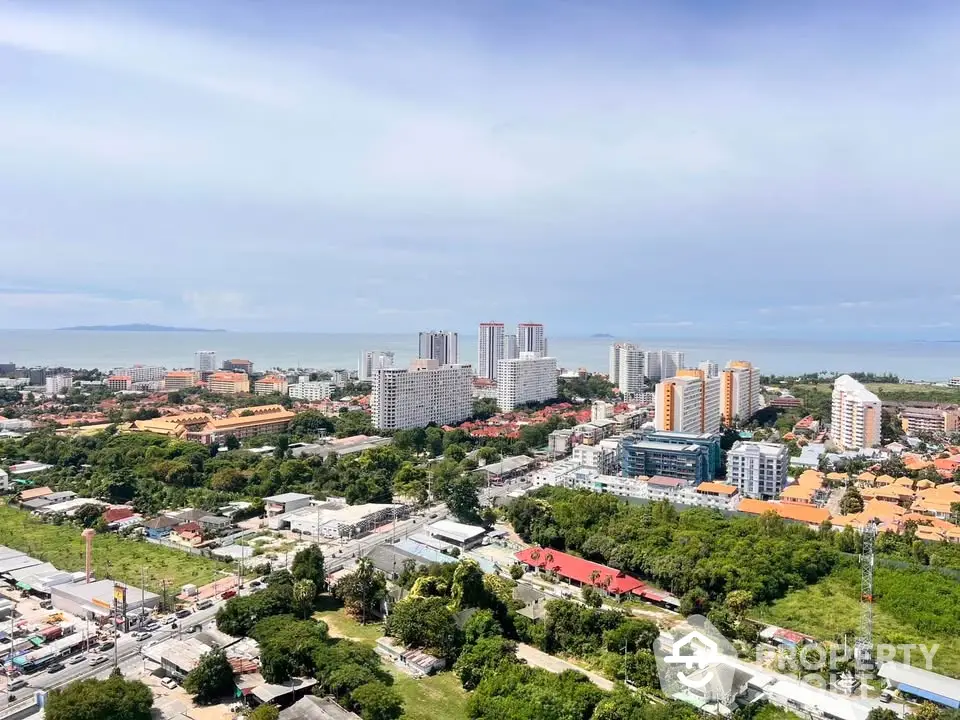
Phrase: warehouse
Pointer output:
(458, 534)
(921, 684)
(94, 600)
(335, 520)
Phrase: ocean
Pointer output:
(934, 361)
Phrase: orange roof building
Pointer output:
(812, 516)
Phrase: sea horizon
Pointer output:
(930, 360)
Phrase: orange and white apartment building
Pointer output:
(241, 423)
(855, 421)
(688, 402)
(739, 391)
(228, 383)
(179, 379)
(270, 384)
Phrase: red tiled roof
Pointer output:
(575, 568)
(665, 481)
(117, 513)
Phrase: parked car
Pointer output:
(193, 628)
(152, 626)
(169, 683)
(255, 583)
(141, 636)
(97, 660)
(46, 604)
(56, 667)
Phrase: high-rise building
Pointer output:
(424, 393)
(687, 462)
(758, 469)
(371, 361)
(37, 376)
(855, 417)
(711, 369)
(440, 345)
(628, 368)
(740, 390)
(118, 383)
(530, 339)
(489, 349)
(56, 384)
(205, 361)
(511, 351)
(671, 362)
(142, 373)
(529, 378)
(688, 402)
(311, 391)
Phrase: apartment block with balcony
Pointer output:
(603, 457)
(119, 383)
(709, 441)
(757, 469)
(933, 420)
(179, 379)
(689, 463)
(855, 415)
(527, 379)
(270, 384)
(424, 393)
(311, 391)
(688, 402)
(228, 383)
(740, 391)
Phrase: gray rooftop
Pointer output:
(284, 498)
(268, 693)
(311, 707)
(930, 682)
(509, 464)
(663, 446)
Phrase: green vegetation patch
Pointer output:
(911, 607)
(113, 556)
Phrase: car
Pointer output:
(168, 683)
(193, 628)
(17, 684)
(56, 667)
(152, 626)
(183, 613)
(46, 605)
(203, 605)
(76, 659)
(255, 583)
(886, 696)
(169, 619)
(97, 660)
(141, 636)
(227, 594)
(108, 645)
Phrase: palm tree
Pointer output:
(594, 576)
(304, 593)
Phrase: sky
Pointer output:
(712, 168)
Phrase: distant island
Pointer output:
(602, 335)
(137, 327)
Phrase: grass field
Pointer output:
(439, 697)
(902, 391)
(113, 556)
(830, 609)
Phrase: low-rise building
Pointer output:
(57, 384)
(459, 534)
(311, 391)
(604, 457)
(95, 600)
(238, 365)
(159, 527)
(335, 520)
(936, 420)
(721, 496)
(285, 503)
(559, 442)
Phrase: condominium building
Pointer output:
(440, 345)
(57, 384)
(688, 402)
(424, 393)
(710, 441)
(142, 373)
(179, 379)
(633, 369)
(647, 458)
(117, 383)
(205, 361)
(311, 391)
(238, 365)
(511, 350)
(371, 361)
(529, 378)
(603, 457)
(530, 339)
(228, 383)
(710, 369)
(855, 416)
(270, 384)
(954, 382)
(758, 469)
(489, 350)
(740, 390)
(935, 420)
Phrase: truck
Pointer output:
(227, 594)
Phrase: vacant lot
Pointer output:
(113, 556)
(440, 697)
(910, 608)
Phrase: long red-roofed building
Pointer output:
(580, 571)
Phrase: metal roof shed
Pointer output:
(921, 683)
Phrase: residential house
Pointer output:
(159, 527)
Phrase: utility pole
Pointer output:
(143, 606)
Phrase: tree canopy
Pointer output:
(211, 679)
(110, 699)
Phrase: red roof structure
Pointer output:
(570, 567)
(115, 514)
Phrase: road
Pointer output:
(355, 548)
(127, 648)
(540, 659)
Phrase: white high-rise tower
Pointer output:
(489, 349)
(439, 345)
(530, 339)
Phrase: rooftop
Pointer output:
(311, 707)
(455, 530)
(716, 487)
(584, 571)
(848, 385)
(289, 497)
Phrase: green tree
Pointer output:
(467, 589)
(487, 655)
(308, 564)
(695, 602)
(232, 443)
(424, 623)
(211, 679)
(376, 701)
(851, 502)
(463, 498)
(110, 699)
(304, 595)
(879, 713)
(264, 712)
(591, 596)
(362, 591)
(516, 571)
(482, 624)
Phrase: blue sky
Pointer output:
(694, 168)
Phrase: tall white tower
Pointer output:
(530, 338)
(440, 345)
(489, 349)
(205, 361)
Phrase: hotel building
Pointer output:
(688, 402)
(529, 378)
(424, 393)
(855, 417)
